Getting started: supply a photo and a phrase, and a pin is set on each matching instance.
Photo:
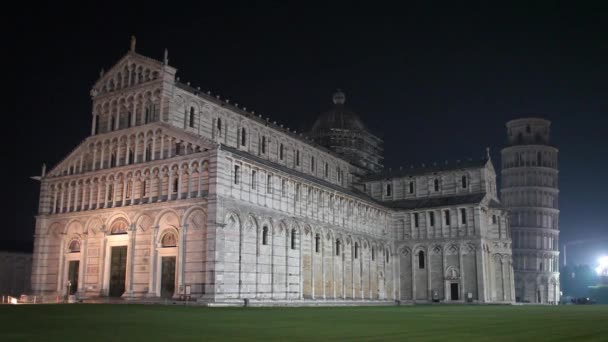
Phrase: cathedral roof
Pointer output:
(434, 202)
(339, 117)
(424, 169)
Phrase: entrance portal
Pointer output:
(73, 276)
(118, 271)
(454, 291)
(167, 282)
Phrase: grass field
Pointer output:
(90, 322)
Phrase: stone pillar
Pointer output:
(83, 266)
(60, 289)
(153, 257)
(181, 251)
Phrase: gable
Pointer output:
(132, 69)
(90, 149)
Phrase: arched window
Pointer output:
(219, 126)
(373, 254)
(175, 184)
(464, 182)
(263, 145)
(436, 182)
(293, 239)
(312, 164)
(421, 260)
(265, 235)
(297, 158)
(110, 192)
(148, 155)
(112, 123)
(130, 156)
(281, 152)
(243, 136)
(317, 243)
(337, 247)
(143, 188)
(129, 187)
(96, 124)
(411, 187)
(129, 118)
(386, 252)
(356, 250)
(169, 240)
(74, 246)
(113, 160)
(191, 117)
(178, 149)
(388, 190)
(147, 115)
(326, 170)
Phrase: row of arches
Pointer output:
(142, 145)
(128, 75)
(528, 177)
(115, 113)
(292, 260)
(148, 238)
(174, 181)
(531, 197)
(260, 186)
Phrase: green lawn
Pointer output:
(101, 322)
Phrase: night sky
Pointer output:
(436, 83)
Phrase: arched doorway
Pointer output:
(117, 258)
(167, 254)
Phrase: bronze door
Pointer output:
(73, 276)
(118, 271)
(167, 282)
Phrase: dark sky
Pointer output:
(435, 82)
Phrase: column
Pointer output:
(181, 252)
(462, 275)
(131, 254)
(153, 152)
(60, 290)
(114, 191)
(83, 266)
(102, 156)
(152, 277)
(125, 152)
(162, 146)
(134, 116)
(135, 150)
(69, 197)
(429, 290)
(94, 158)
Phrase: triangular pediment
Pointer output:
(130, 70)
(71, 164)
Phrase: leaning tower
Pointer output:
(530, 191)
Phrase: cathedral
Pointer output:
(180, 194)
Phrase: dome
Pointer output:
(339, 117)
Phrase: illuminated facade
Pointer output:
(177, 192)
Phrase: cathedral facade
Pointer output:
(178, 193)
